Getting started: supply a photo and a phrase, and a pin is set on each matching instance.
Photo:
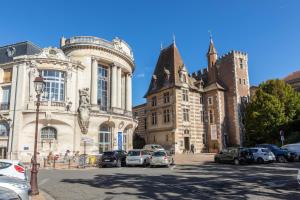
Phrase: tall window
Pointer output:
(166, 97)
(210, 100)
(202, 116)
(154, 101)
(145, 123)
(49, 133)
(5, 98)
(102, 87)
(154, 118)
(3, 129)
(7, 75)
(241, 63)
(166, 116)
(186, 117)
(104, 138)
(201, 99)
(55, 85)
(185, 96)
(211, 117)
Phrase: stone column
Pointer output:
(113, 85)
(94, 76)
(128, 92)
(119, 88)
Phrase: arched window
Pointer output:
(104, 138)
(3, 129)
(48, 133)
(54, 85)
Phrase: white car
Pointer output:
(19, 186)
(294, 148)
(138, 157)
(13, 168)
(262, 155)
(153, 147)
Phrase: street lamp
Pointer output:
(39, 85)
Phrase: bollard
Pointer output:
(69, 164)
(54, 163)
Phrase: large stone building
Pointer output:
(87, 98)
(294, 80)
(204, 108)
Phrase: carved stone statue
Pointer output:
(84, 110)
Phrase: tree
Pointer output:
(274, 104)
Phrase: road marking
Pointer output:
(44, 181)
(172, 168)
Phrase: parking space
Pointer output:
(205, 181)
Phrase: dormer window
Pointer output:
(154, 82)
(167, 74)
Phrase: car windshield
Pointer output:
(265, 150)
(156, 146)
(134, 153)
(159, 154)
(253, 150)
(108, 153)
(274, 147)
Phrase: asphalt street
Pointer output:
(206, 181)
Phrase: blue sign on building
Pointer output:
(120, 140)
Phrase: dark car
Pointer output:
(113, 158)
(282, 155)
(236, 155)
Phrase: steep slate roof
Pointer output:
(169, 61)
(21, 48)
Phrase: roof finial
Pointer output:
(161, 45)
(210, 35)
(173, 38)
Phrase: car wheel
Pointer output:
(236, 161)
(281, 159)
(260, 160)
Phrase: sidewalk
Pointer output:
(193, 159)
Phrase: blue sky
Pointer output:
(268, 30)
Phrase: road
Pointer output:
(206, 181)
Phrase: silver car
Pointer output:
(19, 186)
(138, 157)
(294, 148)
(7, 194)
(161, 158)
(153, 147)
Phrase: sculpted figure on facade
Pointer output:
(84, 110)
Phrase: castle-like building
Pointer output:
(204, 108)
(86, 105)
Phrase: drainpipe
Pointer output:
(14, 114)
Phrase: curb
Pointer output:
(46, 195)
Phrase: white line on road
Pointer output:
(172, 168)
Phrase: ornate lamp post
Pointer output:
(39, 85)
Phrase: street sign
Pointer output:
(87, 140)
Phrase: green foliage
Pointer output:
(274, 104)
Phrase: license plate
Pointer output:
(106, 160)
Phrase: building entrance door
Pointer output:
(3, 151)
(187, 144)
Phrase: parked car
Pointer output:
(13, 168)
(161, 158)
(262, 155)
(236, 155)
(294, 149)
(7, 194)
(281, 155)
(153, 147)
(19, 186)
(113, 158)
(138, 157)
